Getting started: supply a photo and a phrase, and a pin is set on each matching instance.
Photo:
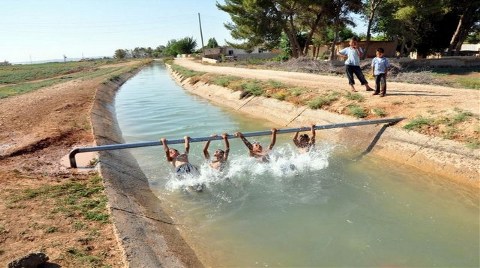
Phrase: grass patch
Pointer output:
(418, 123)
(224, 80)
(379, 112)
(459, 117)
(276, 84)
(83, 199)
(281, 95)
(321, 101)
(51, 229)
(354, 96)
(29, 72)
(83, 258)
(8, 91)
(357, 111)
(79, 225)
(24, 85)
(468, 82)
(449, 133)
(253, 87)
(297, 91)
(184, 72)
(473, 143)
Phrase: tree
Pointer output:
(414, 23)
(468, 12)
(157, 52)
(474, 36)
(256, 22)
(371, 7)
(338, 12)
(186, 45)
(120, 54)
(183, 46)
(212, 43)
(262, 22)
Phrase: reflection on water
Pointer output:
(318, 209)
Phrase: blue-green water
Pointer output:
(329, 211)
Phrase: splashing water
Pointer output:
(284, 162)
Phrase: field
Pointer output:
(19, 79)
(46, 206)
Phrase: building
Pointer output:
(231, 53)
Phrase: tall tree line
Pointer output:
(422, 25)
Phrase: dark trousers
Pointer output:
(352, 69)
(380, 84)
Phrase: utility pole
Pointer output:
(201, 34)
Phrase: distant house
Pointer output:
(231, 53)
(470, 50)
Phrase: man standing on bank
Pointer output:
(353, 53)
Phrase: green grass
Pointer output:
(321, 101)
(83, 199)
(473, 143)
(23, 85)
(51, 229)
(468, 82)
(357, 111)
(379, 112)
(280, 95)
(29, 72)
(253, 87)
(459, 117)
(354, 96)
(297, 91)
(224, 80)
(84, 258)
(276, 84)
(184, 72)
(17, 89)
(418, 123)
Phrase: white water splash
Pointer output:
(285, 162)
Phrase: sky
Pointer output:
(38, 30)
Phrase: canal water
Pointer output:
(327, 211)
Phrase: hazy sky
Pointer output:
(48, 29)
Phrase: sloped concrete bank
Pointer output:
(147, 235)
(444, 158)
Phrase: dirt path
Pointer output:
(37, 129)
(415, 99)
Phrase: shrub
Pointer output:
(354, 96)
(379, 112)
(297, 91)
(282, 95)
(223, 80)
(321, 101)
(418, 123)
(357, 111)
(253, 87)
(276, 84)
